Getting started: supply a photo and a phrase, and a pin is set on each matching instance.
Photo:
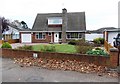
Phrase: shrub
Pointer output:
(97, 48)
(97, 52)
(99, 40)
(6, 45)
(47, 48)
(83, 46)
(83, 49)
(73, 42)
(25, 47)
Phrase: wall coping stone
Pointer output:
(114, 50)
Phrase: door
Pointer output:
(56, 37)
(26, 38)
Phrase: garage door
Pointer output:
(26, 38)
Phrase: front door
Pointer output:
(56, 37)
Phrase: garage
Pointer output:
(26, 38)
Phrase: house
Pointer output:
(55, 28)
(92, 34)
(109, 35)
(12, 33)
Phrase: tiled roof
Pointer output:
(75, 21)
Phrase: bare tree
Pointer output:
(4, 24)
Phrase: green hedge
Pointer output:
(6, 45)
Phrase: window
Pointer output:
(55, 21)
(49, 34)
(40, 35)
(79, 35)
(60, 35)
(74, 35)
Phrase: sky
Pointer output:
(99, 13)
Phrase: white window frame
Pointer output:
(51, 20)
(74, 38)
(43, 33)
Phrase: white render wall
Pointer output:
(111, 35)
(91, 37)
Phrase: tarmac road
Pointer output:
(14, 73)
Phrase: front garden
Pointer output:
(61, 48)
(73, 46)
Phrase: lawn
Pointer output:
(62, 48)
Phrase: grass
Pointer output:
(62, 48)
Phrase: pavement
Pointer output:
(12, 72)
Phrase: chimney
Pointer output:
(64, 24)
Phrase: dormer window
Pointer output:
(55, 21)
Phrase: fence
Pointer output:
(10, 41)
(111, 61)
(107, 46)
(1, 41)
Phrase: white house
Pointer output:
(109, 35)
(12, 33)
(92, 34)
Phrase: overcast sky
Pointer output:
(99, 13)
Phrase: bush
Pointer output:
(73, 42)
(97, 48)
(83, 49)
(25, 47)
(48, 48)
(99, 40)
(97, 52)
(6, 45)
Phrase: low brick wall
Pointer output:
(98, 60)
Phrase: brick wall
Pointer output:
(98, 60)
(46, 40)
(34, 40)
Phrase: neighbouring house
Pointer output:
(55, 28)
(109, 35)
(92, 34)
(12, 33)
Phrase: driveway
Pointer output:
(14, 73)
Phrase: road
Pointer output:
(14, 73)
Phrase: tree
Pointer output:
(4, 23)
(24, 25)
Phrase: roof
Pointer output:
(75, 21)
(15, 27)
(114, 30)
(101, 30)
